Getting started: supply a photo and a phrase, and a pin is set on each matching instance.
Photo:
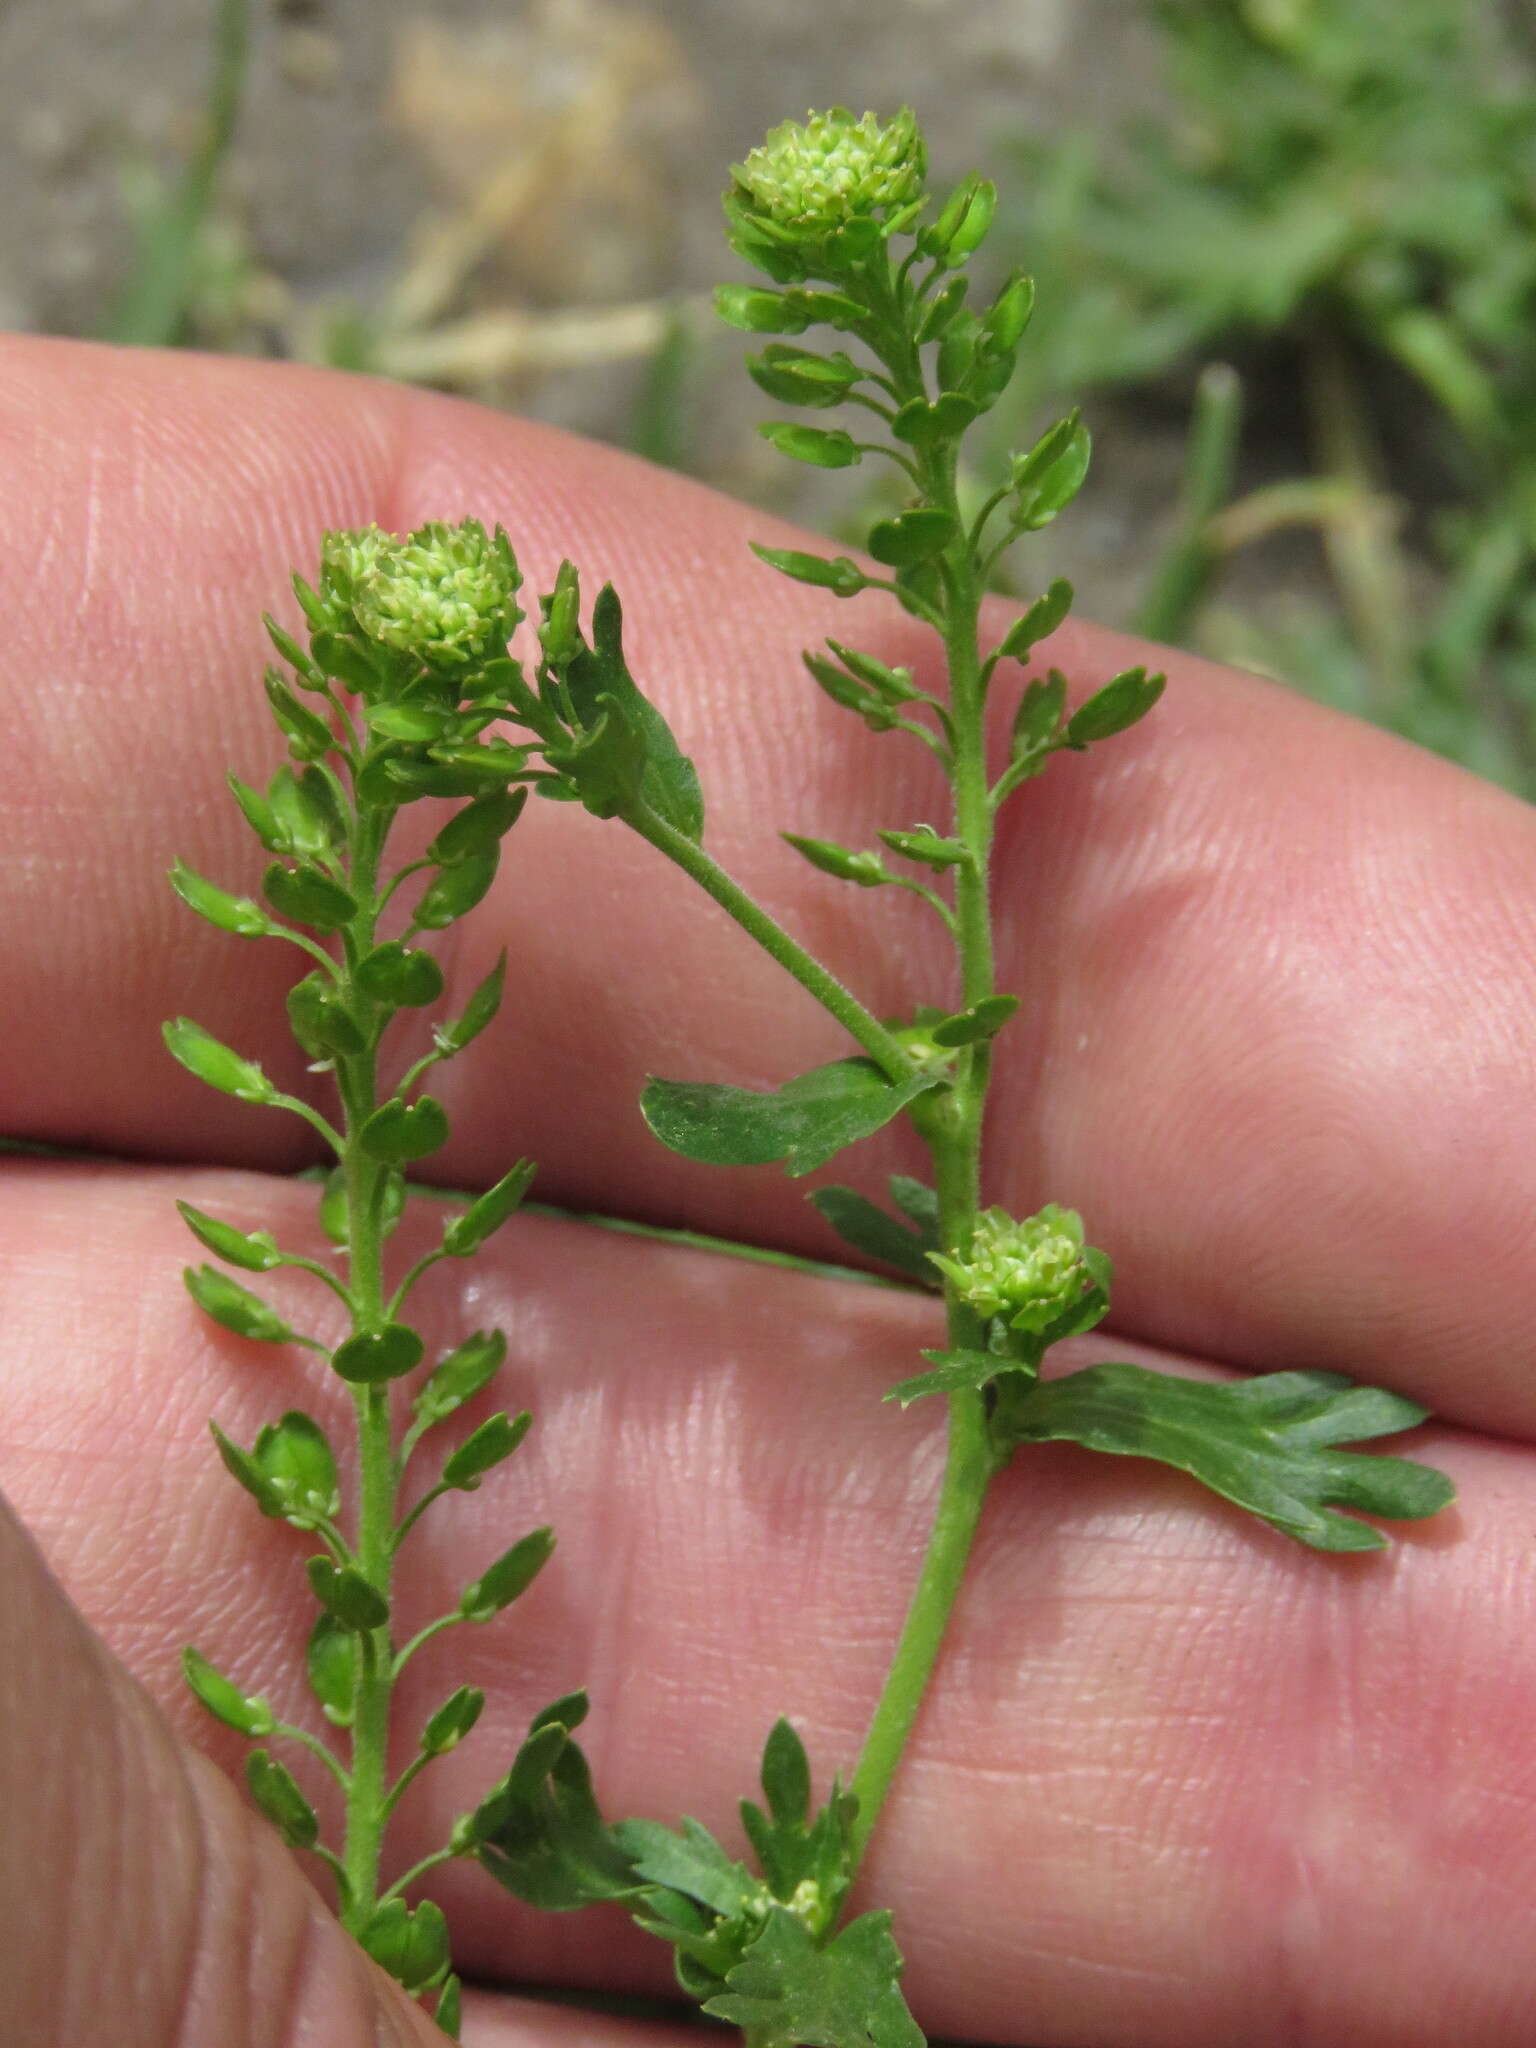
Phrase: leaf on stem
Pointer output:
(1265, 1444)
(846, 1995)
(805, 1123)
(540, 1833)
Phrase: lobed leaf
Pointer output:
(846, 1995)
(1265, 1444)
(540, 1832)
(870, 1230)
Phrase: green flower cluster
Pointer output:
(1029, 1271)
(833, 167)
(446, 594)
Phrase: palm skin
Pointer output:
(1179, 1781)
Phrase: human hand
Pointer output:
(1178, 1780)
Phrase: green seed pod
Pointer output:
(280, 1799)
(508, 1578)
(400, 975)
(373, 1356)
(224, 1700)
(214, 1063)
(466, 1233)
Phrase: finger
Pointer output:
(140, 1902)
(1246, 938)
(1178, 1779)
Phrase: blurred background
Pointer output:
(1286, 252)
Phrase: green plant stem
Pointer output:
(952, 1128)
(366, 1809)
(883, 1047)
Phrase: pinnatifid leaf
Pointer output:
(845, 1995)
(1266, 1444)
(805, 1123)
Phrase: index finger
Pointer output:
(1276, 968)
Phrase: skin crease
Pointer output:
(1179, 1781)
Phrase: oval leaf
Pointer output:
(804, 1123)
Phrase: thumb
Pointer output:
(141, 1904)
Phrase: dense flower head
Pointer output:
(443, 593)
(1029, 1271)
(834, 167)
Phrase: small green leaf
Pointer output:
(275, 1792)
(479, 827)
(845, 1995)
(346, 1595)
(466, 1233)
(214, 1063)
(983, 1019)
(234, 1306)
(841, 575)
(478, 1012)
(822, 447)
(540, 1832)
(1050, 476)
(309, 897)
(294, 1456)
(960, 1371)
(786, 1776)
(879, 1236)
(754, 311)
(805, 1123)
(400, 975)
(918, 1203)
(321, 1021)
(331, 1659)
(509, 1577)
(411, 1946)
(493, 1441)
(915, 536)
(691, 1861)
(1265, 1444)
(1038, 623)
(452, 1721)
(455, 890)
(461, 1375)
(1119, 704)
(237, 914)
(373, 1356)
(223, 1699)
(401, 1131)
(867, 869)
(253, 1251)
